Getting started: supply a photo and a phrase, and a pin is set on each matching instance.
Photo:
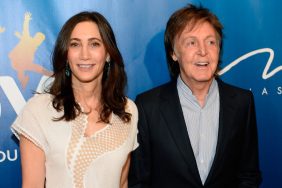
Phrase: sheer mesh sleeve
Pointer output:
(133, 110)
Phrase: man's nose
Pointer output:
(202, 50)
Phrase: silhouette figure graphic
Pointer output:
(22, 56)
(2, 29)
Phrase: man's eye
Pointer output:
(191, 43)
(212, 42)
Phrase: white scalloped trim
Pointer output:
(17, 131)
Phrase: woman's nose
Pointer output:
(84, 52)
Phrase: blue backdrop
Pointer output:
(251, 59)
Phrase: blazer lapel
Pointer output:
(225, 118)
(171, 110)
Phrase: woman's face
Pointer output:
(86, 53)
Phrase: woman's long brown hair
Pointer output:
(114, 77)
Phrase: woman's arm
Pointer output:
(124, 173)
(33, 164)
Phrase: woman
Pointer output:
(81, 131)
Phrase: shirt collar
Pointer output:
(187, 92)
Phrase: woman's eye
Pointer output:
(95, 44)
(74, 44)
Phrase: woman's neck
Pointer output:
(88, 95)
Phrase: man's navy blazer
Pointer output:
(165, 158)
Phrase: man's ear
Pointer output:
(174, 56)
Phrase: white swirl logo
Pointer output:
(266, 74)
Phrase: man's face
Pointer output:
(197, 52)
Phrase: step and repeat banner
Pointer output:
(252, 59)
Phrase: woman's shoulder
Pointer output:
(39, 101)
(130, 106)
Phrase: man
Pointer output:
(195, 131)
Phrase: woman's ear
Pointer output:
(108, 58)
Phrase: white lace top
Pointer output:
(73, 160)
